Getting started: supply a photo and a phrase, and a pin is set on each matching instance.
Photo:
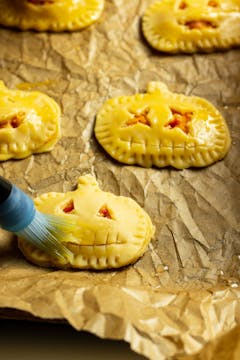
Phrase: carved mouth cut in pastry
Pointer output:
(192, 25)
(41, 2)
(50, 15)
(185, 131)
(29, 123)
(110, 231)
(199, 24)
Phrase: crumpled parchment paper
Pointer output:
(181, 300)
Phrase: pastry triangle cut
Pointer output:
(189, 26)
(162, 128)
(53, 15)
(110, 231)
(29, 123)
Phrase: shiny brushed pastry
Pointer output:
(162, 128)
(29, 123)
(53, 15)
(111, 231)
(192, 25)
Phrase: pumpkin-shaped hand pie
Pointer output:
(53, 15)
(110, 231)
(162, 128)
(192, 25)
(29, 123)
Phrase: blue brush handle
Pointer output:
(16, 208)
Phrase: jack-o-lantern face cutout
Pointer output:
(53, 15)
(111, 231)
(29, 123)
(162, 128)
(192, 25)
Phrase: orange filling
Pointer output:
(14, 122)
(199, 24)
(139, 118)
(213, 3)
(180, 120)
(183, 5)
(104, 212)
(69, 207)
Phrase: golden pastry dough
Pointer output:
(29, 123)
(162, 128)
(111, 231)
(54, 15)
(192, 25)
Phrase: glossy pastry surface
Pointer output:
(162, 128)
(110, 231)
(29, 123)
(53, 15)
(192, 25)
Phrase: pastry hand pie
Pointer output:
(111, 231)
(162, 128)
(29, 123)
(192, 25)
(54, 15)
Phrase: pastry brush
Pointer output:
(19, 216)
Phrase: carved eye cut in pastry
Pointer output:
(192, 25)
(29, 123)
(53, 15)
(110, 232)
(161, 128)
